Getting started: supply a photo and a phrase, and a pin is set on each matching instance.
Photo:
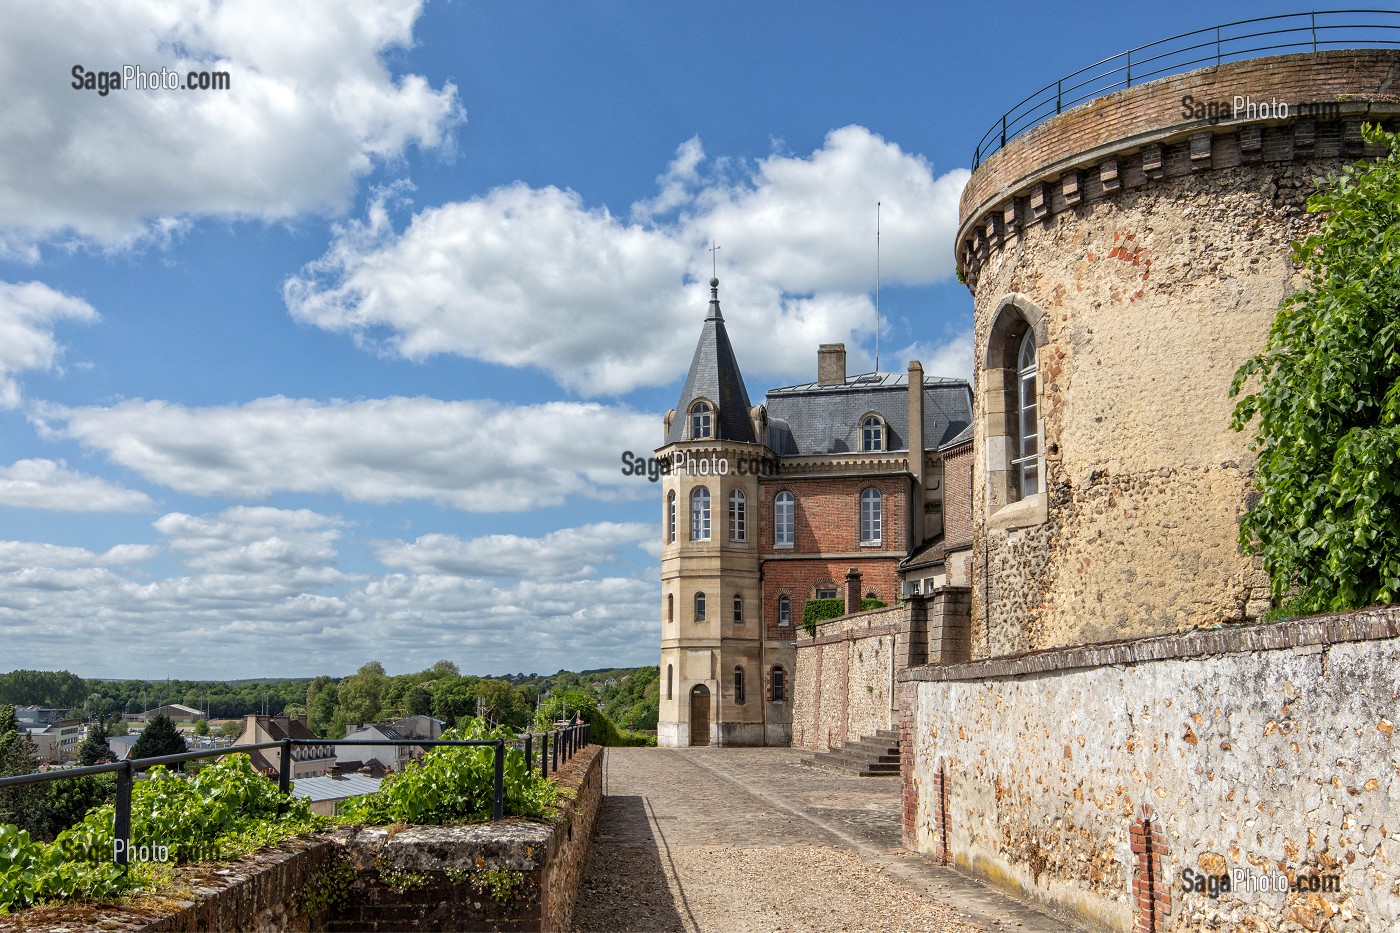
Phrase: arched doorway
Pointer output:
(700, 715)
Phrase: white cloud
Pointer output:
(568, 554)
(952, 358)
(46, 484)
(472, 455)
(28, 311)
(261, 594)
(311, 107)
(528, 276)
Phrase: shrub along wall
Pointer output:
(512, 875)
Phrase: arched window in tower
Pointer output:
(671, 518)
(738, 517)
(784, 610)
(699, 607)
(738, 685)
(700, 514)
(701, 420)
(872, 433)
(670, 608)
(738, 609)
(870, 516)
(779, 684)
(783, 509)
(670, 681)
(1026, 462)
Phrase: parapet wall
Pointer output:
(1121, 782)
(512, 875)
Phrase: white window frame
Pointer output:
(784, 519)
(1027, 462)
(784, 609)
(738, 516)
(699, 607)
(872, 434)
(671, 517)
(700, 514)
(702, 424)
(872, 520)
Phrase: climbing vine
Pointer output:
(1325, 391)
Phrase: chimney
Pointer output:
(852, 591)
(831, 364)
(916, 449)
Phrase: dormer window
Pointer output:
(701, 420)
(872, 433)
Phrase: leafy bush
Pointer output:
(820, 610)
(1326, 523)
(564, 703)
(454, 784)
(227, 810)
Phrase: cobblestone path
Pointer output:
(738, 839)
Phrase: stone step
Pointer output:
(867, 756)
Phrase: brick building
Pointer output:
(812, 494)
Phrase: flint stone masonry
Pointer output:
(1145, 295)
(1269, 748)
(512, 875)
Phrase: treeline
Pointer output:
(627, 696)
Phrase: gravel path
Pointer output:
(747, 840)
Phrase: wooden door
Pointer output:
(700, 715)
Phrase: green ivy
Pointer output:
(1326, 394)
(820, 610)
(454, 784)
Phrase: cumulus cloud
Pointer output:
(568, 554)
(526, 276)
(952, 358)
(28, 312)
(311, 107)
(46, 484)
(472, 455)
(260, 593)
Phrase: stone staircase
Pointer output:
(869, 756)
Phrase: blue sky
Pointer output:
(339, 363)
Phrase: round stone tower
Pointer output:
(1125, 257)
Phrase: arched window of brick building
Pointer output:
(783, 509)
(871, 515)
(784, 610)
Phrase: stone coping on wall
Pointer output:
(887, 620)
(1362, 625)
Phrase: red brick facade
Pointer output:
(826, 542)
(957, 495)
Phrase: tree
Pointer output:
(94, 750)
(1326, 521)
(21, 806)
(231, 729)
(201, 727)
(158, 738)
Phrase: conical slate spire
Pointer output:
(714, 376)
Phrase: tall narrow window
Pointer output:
(783, 520)
(699, 607)
(872, 433)
(738, 685)
(738, 609)
(738, 517)
(671, 518)
(784, 610)
(779, 685)
(1026, 463)
(700, 514)
(670, 682)
(670, 607)
(870, 516)
(701, 420)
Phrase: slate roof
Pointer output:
(317, 789)
(714, 375)
(825, 419)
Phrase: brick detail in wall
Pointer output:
(909, 789)
(1152, 899)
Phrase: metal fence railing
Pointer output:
(555, 746)
(1214, 45)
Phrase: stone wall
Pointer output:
(1107, 780)
(512, 875)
